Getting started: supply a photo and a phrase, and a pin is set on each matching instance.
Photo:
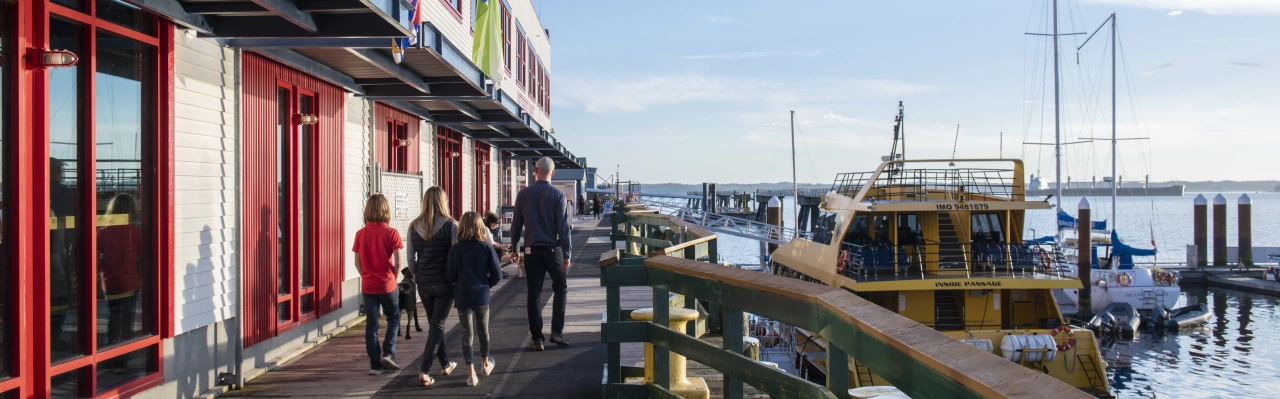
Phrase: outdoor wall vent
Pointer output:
(45, 59)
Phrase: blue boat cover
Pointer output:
(1066, 221)
(1042, 240)
(1126, 253)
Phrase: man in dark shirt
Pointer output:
(542, 215)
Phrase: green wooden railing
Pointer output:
(664, 253)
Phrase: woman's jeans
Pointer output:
(437, 299)
(480, 315)
(392, 310)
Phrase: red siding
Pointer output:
(260, 77)
(381, 114)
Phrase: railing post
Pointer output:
(613, 309)
(661, 357)
(732, 333)
(837, 371)
(689, 302)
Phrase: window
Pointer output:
(506, 36)
(104, 242)
(482, 178)
(295, 138)
(455, 7)
(397, 139)
(824, 228)
(449, 167)
(521, 58)
(507, 179)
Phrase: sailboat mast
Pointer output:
(1115, 184)
(1057, 124)
(795, 186)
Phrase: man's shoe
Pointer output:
(389, 363)
(376, 372)
(558, 339)
(449, 368)
(537, 346)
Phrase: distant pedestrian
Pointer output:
(377, 249)
(495, 239)
(582, 206)
(473, 268)
(595, 205)
(432, 234)
(542, 212)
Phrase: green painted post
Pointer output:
(732, 342)
(837, 371)
(613, 307)
(661, 358)
(712, 256)
(689, 302)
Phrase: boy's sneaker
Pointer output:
(376, 372)
(389, 363)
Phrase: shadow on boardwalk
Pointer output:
(338, 367)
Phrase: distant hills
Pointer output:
(1191, 186)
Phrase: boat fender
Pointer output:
(1069, 341)
(844, 260)
(1102, 282)
(1124, 279)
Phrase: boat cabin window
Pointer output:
(859, 231)
(824, 228)
(881, 222)
(987, 228)
(909, 232)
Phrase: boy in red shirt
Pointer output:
(377, 249)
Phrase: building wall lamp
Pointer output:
(306, 119)
(45, 59)
(455, 154)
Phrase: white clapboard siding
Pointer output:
(205, 198)
(456, 30)
(524, 13)
(359, 118)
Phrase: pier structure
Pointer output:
(683, 270)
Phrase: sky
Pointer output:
(691, 92)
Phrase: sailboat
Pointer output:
(1114, 276)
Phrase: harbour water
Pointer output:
(1236, 354)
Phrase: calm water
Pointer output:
(1236, 354)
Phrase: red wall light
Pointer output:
(45, 59)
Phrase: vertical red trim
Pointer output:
(23, 175)
(165, 182)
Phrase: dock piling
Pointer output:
(1219, 230)
(1201, 227)
(1084, 255)
(774, 217)
(1245, 232)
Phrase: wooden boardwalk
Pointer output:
(338, 368)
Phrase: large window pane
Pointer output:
(127, 367)
(123, 14)
(123, 123)
(69, 385)
(66, 112)
(284, 230)
(306, 106)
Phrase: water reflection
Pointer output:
(1217, 360)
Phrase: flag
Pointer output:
(415, 21)
(486, 49)
(397, 49)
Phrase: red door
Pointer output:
(482, 184)
(449, 167)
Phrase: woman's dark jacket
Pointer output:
(428, 256)
(473, 268)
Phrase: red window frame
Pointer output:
(454, 6)
(393, 125)
(482, 183)
(297, 252)
(521, 58)
(506, 36)
(28, 171)
(449, 167)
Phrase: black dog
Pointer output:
(408, 301)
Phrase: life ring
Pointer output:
(1045, 260)
(1067, 343)
(844, 260)
(1124, 279)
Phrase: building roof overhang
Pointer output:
(348, 43)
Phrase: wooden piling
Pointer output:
(1084, 255)
(1201, 227)
(1219, 230)
(1244, 233)
(773, 216)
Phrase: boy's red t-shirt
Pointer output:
(375, 243)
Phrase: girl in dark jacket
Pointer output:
(433, 234)
(474, 268)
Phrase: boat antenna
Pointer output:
(899, 135)
(953, 146)
(795, 186)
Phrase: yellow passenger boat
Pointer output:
(941, 243)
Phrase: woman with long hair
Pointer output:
(473, 268)
(431, 236)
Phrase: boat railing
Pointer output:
(920, 361)
(917, 184)
(860, 259)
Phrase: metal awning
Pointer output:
(307, 19)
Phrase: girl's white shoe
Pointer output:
(425, 379)
(486, 367)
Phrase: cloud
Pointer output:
(1157, 68)
(751, 54)
(1212, 7)
(1249, 39)
(1174, 13)
(1249, 64)
(715, 20)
